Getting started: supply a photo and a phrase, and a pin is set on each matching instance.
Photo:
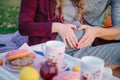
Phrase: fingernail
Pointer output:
(76, 44)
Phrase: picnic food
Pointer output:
(31, 55)
(17, 59)
(48, 70)
(22, 62)
(29, 73)
(15, 54)
(76, 68)
(1, 62)
(67, 75)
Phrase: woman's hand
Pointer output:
(66, 33)
(89, 36)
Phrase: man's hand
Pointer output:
(89, 36)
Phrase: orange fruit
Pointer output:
(108, 22)
(1, 62)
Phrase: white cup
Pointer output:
(91, 68)
(54, 52)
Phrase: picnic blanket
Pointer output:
(11, 41)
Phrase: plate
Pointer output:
(7, 66)
(65, 67)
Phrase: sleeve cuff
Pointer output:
(118, 38)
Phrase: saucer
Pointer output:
(65, 66)
(7, 66)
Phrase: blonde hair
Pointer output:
(80, 4)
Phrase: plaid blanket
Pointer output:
(11, 41)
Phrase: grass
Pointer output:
(9, 10)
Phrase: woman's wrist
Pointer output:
(55, 27)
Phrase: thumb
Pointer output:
(82, 27)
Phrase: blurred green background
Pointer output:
(9, 10)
